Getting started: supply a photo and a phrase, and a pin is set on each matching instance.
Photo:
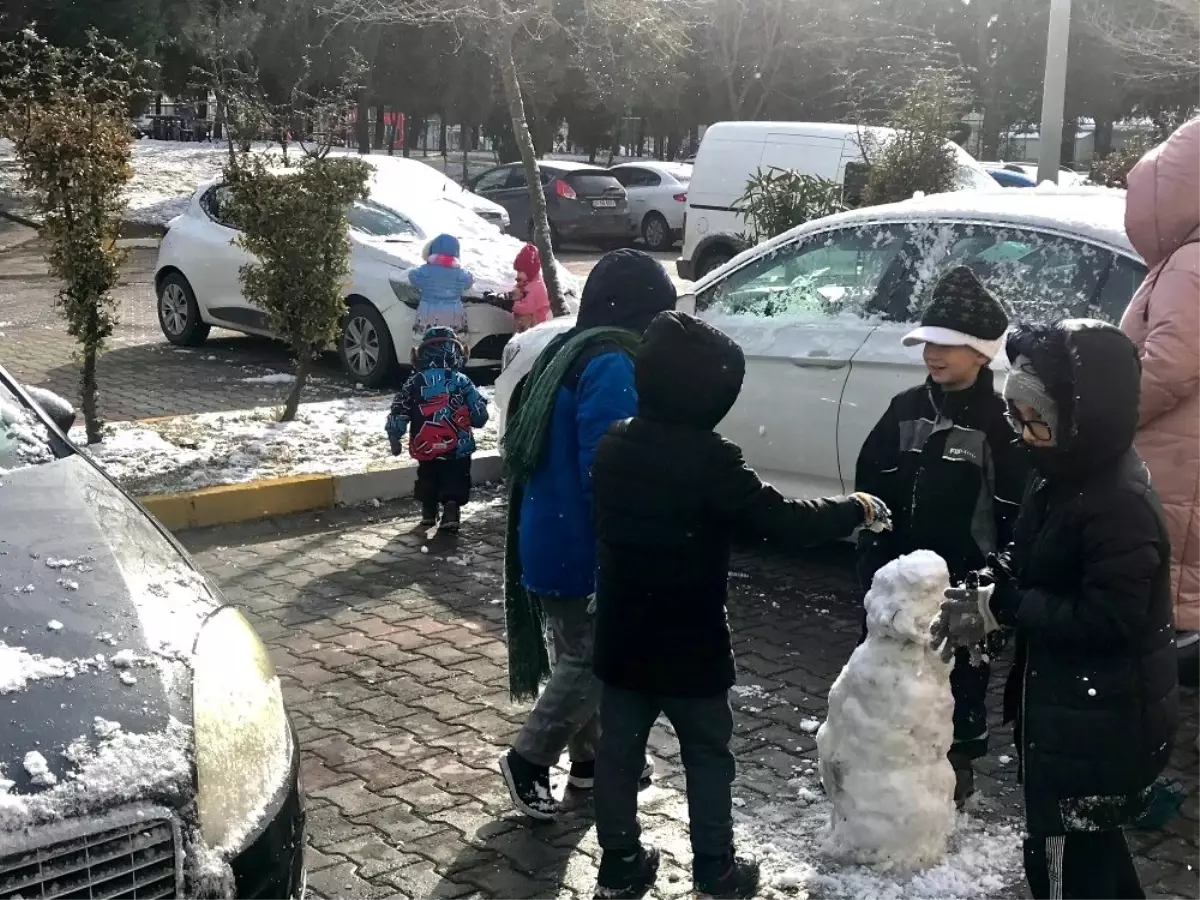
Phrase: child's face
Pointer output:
(953, 368)
(522, 278)
(1027, 421)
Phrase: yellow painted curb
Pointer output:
(225, 504)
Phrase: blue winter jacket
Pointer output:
(558, 538)
(440, 287)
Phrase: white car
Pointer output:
(820, 311)
(408, 178)
(657, 199)
(198, 286)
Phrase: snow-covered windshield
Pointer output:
(24, 440)
(375, 220)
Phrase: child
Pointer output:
(531, 303)
(441, 282)
(945, 460)
(669, 495)
(1086, 583)
(439, 406)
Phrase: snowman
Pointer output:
(882, 749)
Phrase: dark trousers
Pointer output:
(704, 726)
(1082, 865)
(445, 480)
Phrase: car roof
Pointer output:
(656, 165)
(1089, 213)
(728, 130)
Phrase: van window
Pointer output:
(826, 275)
(854, 183)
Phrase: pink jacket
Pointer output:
(1162, 219)
(533, 300)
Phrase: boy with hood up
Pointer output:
(670, 494)
(1086, 583)
(438, 405)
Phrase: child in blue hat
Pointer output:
(441, 283)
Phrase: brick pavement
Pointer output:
(393, 665)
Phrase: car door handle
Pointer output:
(819, 362)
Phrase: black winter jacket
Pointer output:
(669, 496)
(1093, 688)
(951, 469)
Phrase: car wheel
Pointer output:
(366, 345)
(178, 312)
(657, 233)
(713, 259)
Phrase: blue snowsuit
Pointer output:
(441, 283)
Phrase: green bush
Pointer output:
(778, 200)
(1113, 170)
(294, 224)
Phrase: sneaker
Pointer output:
(529, 786)
(627, 875)
(429, 514)
(451, 518)
(728, 876)
(583, 774)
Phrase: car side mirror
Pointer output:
(59, 411)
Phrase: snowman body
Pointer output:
(883, 747)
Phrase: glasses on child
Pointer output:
(1038, 430)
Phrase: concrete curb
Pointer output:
(227, 504)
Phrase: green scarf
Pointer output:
(525, 438)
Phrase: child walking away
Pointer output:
(438, 406)
(441, 283)
(945, 460)
(669, 496)
(531, 302)
(1086, 583)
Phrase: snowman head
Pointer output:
(906, 595)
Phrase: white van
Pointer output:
(732, 152)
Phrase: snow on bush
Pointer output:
(883, 746)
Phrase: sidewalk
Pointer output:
(391, 651)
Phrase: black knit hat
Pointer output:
(962, 314)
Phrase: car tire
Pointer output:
(712, 260)
(657, 233)
(179, 313)
(365, 345)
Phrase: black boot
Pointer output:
(450, 518)
(583, 774)
(627, 874)
(529, 786)
(429, 513)
(964, 779)
(726, 876)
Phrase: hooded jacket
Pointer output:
(531, 298)
(1162, 219)
(626, 289)
(441, 281)
(1086, 583)
(438, 405)
(670, 496)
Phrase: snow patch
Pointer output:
(18, 667)
(39, 770)
(54, 625)
(273, 378)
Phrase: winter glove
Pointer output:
(876, 515)
(965, 619)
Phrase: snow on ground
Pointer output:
(984, 857)
(190, 452)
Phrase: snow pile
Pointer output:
(18, 667)
(883, 746)
(190, 452)
(24, 440)
(39, 770)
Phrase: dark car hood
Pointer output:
(63, 523)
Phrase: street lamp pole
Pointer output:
(1054, 91)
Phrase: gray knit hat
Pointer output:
(1025, 387)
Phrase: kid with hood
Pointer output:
(531, 304)
(441, 283)
(669, 496)
(1086, 583)
(438, 406)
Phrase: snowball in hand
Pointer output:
(883, 747)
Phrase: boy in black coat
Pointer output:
(945, 460)
(669, 494)
(1086, 583)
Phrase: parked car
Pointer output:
(148, 750)
(657, 200)
(1006, 177)
(732, 152)
(1066, 177)
(409, 178)
(198, 286)
(585, 204)
(821, 310)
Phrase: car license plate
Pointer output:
(604, 204)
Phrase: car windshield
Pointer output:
(378, 221)
(24, 439)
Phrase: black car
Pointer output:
(145, 750)
(585, 205)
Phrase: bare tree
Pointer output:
(1159, 39)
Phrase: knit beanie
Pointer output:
(443, 245)
(1024, 386)
(962, 314)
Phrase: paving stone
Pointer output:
(373, 856)
(353, 797)
(343, 880)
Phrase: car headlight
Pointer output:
(243, 736)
